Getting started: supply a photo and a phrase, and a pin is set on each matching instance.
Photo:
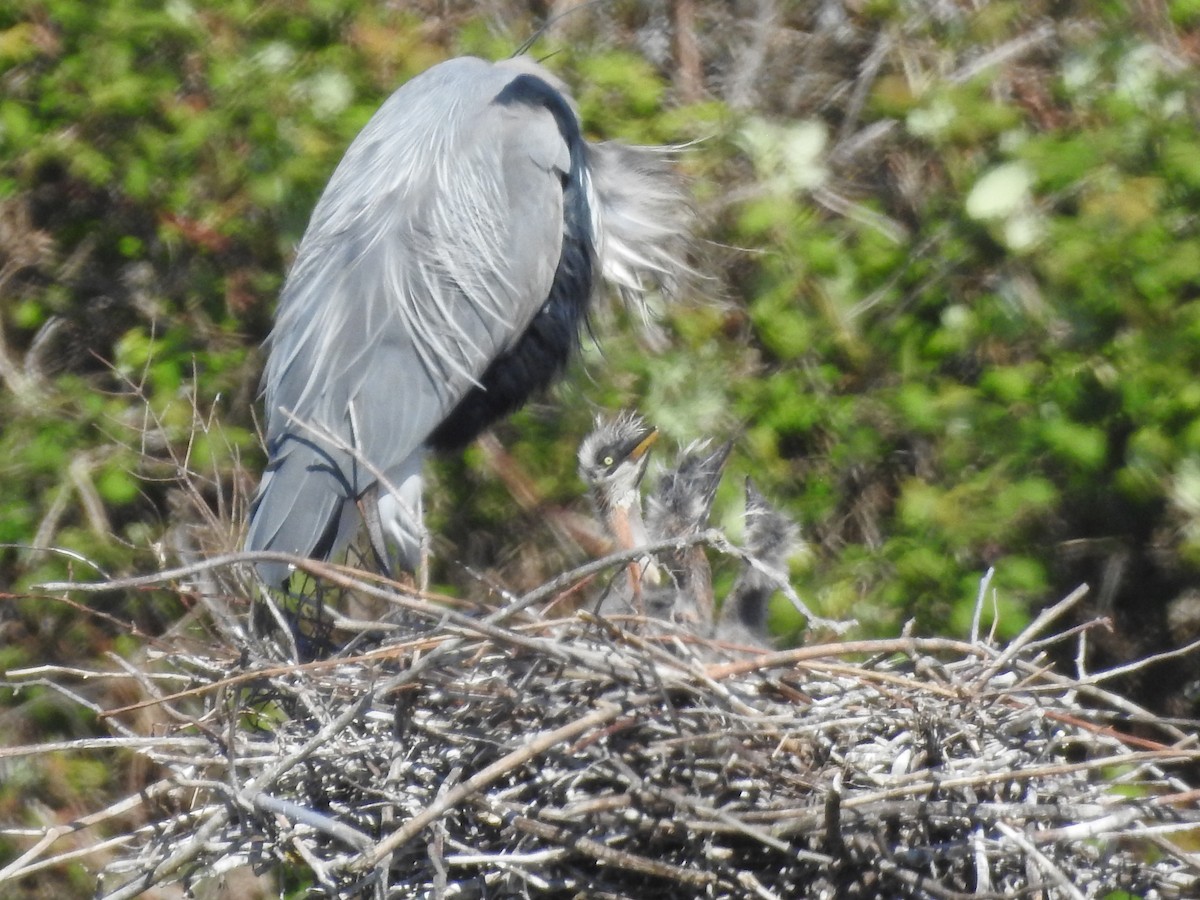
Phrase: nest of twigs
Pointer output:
(502, 753)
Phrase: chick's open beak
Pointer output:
(640, 445)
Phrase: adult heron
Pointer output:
(444, 277)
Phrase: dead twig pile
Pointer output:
(512, 755)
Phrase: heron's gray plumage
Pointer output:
(640, 209)
(443, 277)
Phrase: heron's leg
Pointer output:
(401, 513)
(423, 564)
(635, 586)
(694, 600)
(368, 508)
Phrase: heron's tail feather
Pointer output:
(299, 507)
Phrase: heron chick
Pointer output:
(612, 463)
(679, 507)
(444, 277)
(771, 537)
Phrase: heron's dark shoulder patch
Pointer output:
(529, 90)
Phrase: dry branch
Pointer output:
(512, 754)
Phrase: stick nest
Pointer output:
(510, 754)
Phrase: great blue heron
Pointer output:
(679, 507)
(612, 463)
(770, 539)
(444, 277)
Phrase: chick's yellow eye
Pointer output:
(608, 460)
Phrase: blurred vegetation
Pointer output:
(951, 313)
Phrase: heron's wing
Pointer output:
(432, 248)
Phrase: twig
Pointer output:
(502, 766)
(1041, 622)
(1053, 871)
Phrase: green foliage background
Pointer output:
(951, 312)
